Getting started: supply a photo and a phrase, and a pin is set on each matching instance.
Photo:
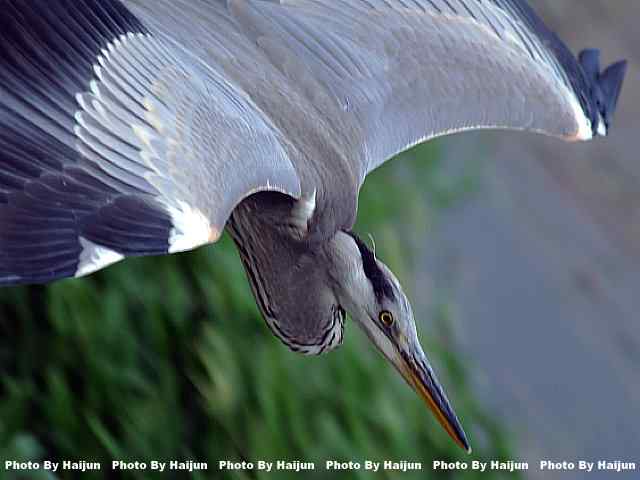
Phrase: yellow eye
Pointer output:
(386, 318)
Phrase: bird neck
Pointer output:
(349, 282)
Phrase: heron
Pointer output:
(147, 127)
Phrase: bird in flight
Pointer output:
(146, 127)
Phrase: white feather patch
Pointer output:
(585, 130)
(191, 228)
(303, 211)
(95, 257)
(602, 127)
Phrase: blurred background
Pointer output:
(520, 253)
(542, 266)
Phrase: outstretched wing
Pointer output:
(404, 71)
(117, 141)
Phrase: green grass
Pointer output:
(168, 358)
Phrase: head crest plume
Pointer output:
(373, 243)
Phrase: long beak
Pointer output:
(417, 371)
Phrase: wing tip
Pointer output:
(611, 81)
(605, 87)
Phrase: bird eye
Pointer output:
(386, 318)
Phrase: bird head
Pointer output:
(373, 297)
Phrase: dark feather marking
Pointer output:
(382, 287)
(606, 85)
(50, 195)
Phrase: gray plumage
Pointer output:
(141, 127)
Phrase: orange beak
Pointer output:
(418, 373)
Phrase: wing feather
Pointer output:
(117, 141)
(403, 71)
